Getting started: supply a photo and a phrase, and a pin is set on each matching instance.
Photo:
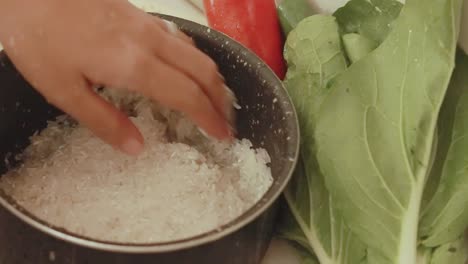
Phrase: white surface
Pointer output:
(178, 8)
(198, 3)
(281, 252)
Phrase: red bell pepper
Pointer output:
(254, 23)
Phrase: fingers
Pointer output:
(143, 65)
(92, 111)
(171, 28)
(200, 68)
(176, 90)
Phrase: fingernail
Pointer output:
(236, 105)
(132, 147)
(171, 27)
(232, 98)
(229, 106)
(221, 77)
(203, 132)
(232, 132)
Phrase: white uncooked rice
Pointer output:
(181, 186)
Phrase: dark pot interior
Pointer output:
(267, 118)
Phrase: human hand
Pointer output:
(63, 48)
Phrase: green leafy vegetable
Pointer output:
(448, 208)
(322, 228)
(424, 255)
(387, 106)
(315, 56)
(451, 253)
(365, 24)
(304, 252)
(371, 19)
(317, 225)
(357, 46)
(291, 12)
(369, 138)
(455, 252)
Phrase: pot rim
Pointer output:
(240, 222)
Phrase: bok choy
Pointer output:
(382, 100)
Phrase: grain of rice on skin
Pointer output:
(181, 186)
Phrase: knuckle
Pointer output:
(142, 63)
(107, 127)
(147, 28)
(163, 44)
(211, 66)
(214, 79)
(195, 98)
(141, 27)
(113, 124)
(134, 66)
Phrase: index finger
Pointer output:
(199, 67)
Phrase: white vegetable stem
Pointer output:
(408, 250)
(310, 233)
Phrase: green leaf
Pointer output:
(375, 129)
(446, 216)
(357, 46)
(289, 229)
(451, 253)
(365, 24)
(318, 222)
(424, 255)
(371, 19)
(291, 12)
(455, 252)
(315, 56)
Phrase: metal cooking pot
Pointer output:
(267, 118)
